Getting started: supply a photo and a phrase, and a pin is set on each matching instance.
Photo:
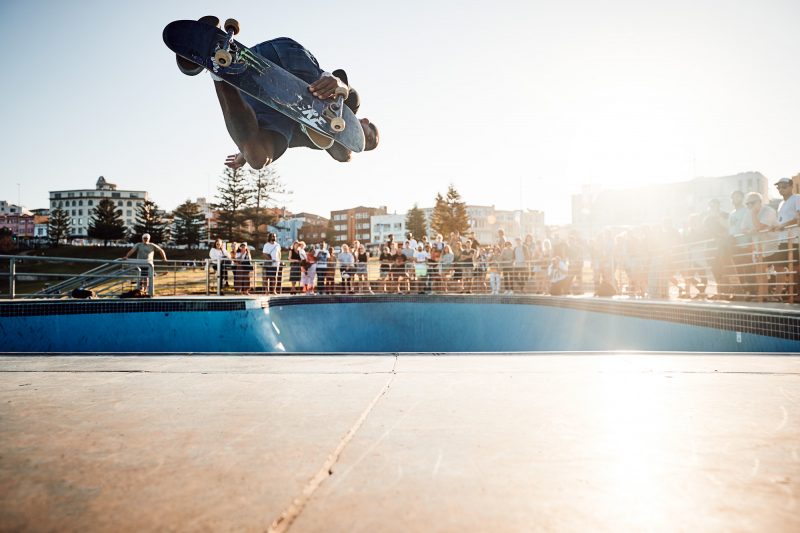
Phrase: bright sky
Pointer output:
(517, 103)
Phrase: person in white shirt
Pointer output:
(411, 241)
(220, 261)
(421, 267)
(347, 264)
(272, 255)
(787, 258)
(324, 274)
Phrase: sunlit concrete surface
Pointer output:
(560, 442)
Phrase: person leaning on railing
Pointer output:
(324, 276)
(558, 274)
(243, 265)
(740, 254)
(788, 221)
(220, 256)
(346, 263)
(763, 244)
(272, 264)
(145, 250)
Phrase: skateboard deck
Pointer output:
(264, 80)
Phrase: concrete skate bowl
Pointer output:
(392, 324)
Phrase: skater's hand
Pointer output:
(325, 86)
(235, 161)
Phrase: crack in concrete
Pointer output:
(293, 511)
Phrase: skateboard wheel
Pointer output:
(232, 25)
(341, 91)
(223, 58)
(337, 124)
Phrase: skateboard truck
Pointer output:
(333, 111)
(223, 57)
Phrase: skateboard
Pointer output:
(324, 121)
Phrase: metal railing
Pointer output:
(108, 278)
(758, 267)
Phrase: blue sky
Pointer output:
(515, 103)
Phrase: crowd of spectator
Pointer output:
(744, 254)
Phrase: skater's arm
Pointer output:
(235, 161)
(325, 87)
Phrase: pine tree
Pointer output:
(458, 211)
(266, 185)
(106, 223)
(415, 222)
(148, 220)
(449, 213)
(440, 218)
(234, 195)
(330, 233)
(58, 226)
(189, 226)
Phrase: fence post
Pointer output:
(792, 274)
(12, 269)
(151, 279)
(219, 276)
(207, 268)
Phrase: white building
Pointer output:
(80, 203)
(12, 209)
(594, 209)
(381, 226)
(285, 231)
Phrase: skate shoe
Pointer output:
(189, 67)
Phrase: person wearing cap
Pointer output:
(760, 218)
(261, 133)
(787, 226)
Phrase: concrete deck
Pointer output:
(560, 442)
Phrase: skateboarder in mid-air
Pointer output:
(263, 134)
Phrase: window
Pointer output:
(53, 204)
(119, 203)
(90, 202)
(80, 212)
(340, 217)
(73, 212)
(128, 212)
(340, 227)
(57, 195)
(114, 195)
(70, 195)
(362, 215)
(130, 203)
